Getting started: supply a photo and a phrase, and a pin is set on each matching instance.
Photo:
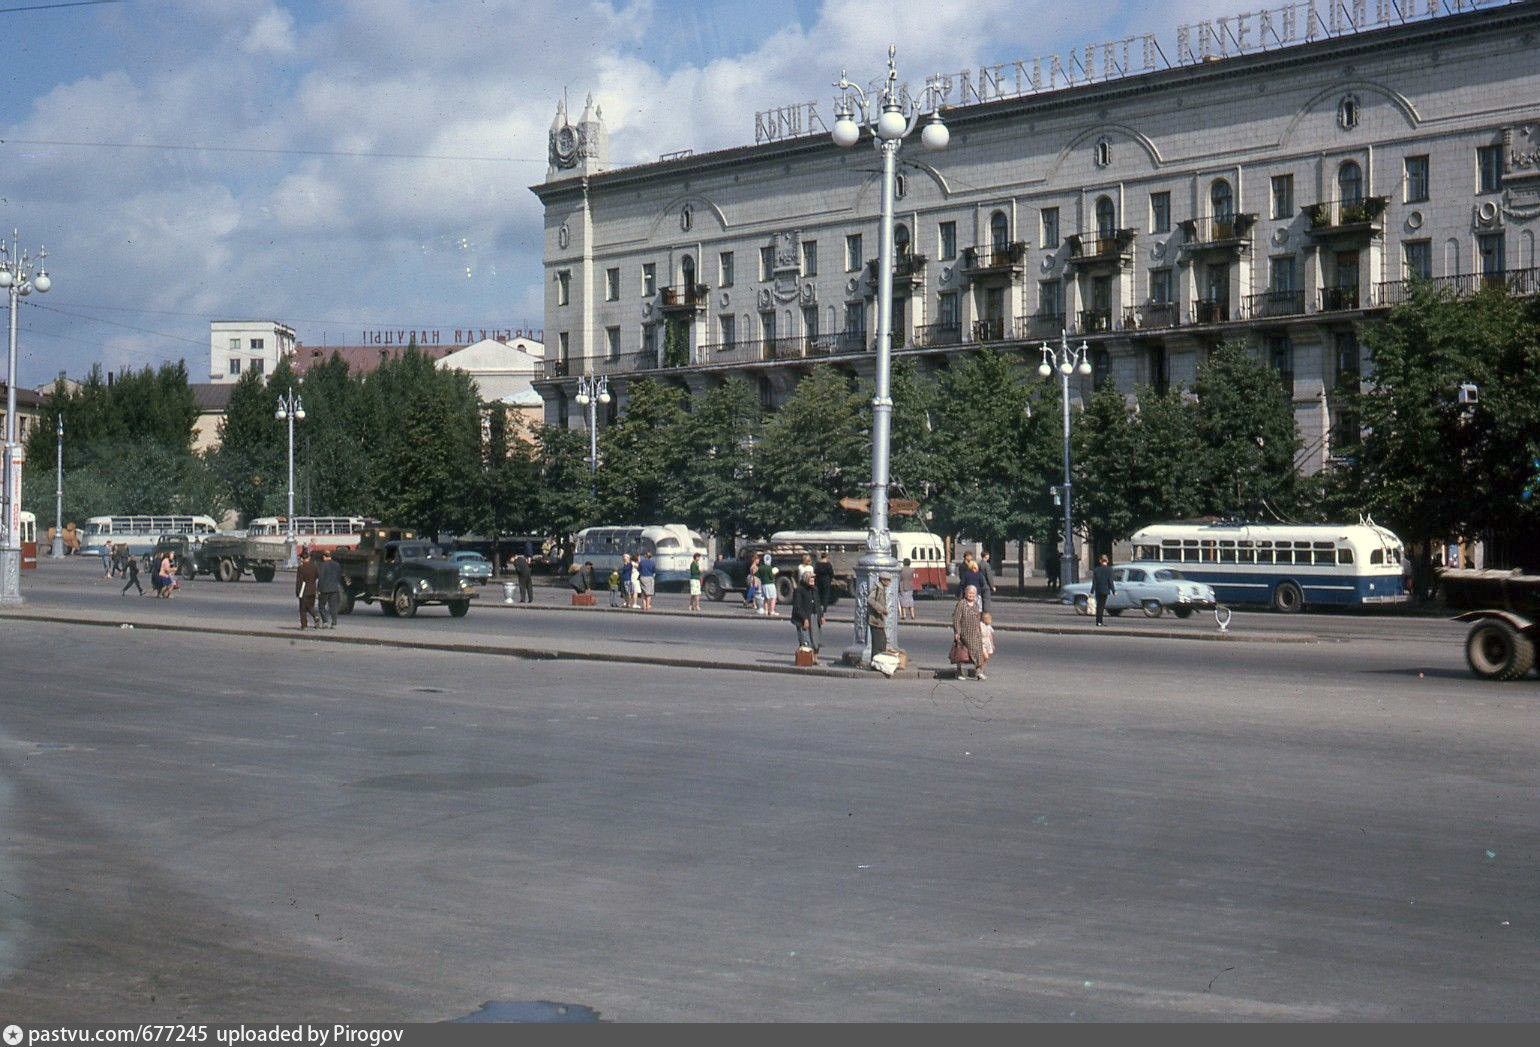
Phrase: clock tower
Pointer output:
(577, 149)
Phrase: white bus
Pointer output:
(1285, 565)
(330, 532)
(671, 545)
(140, 533)
(925, 552)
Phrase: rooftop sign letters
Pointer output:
(440, 336)
(1210, 40)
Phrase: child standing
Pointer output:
(614, 588)
(986, 641)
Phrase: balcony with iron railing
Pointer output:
(1339, 299)
(1361, 217)
(988, 329)
(1518, 282)
(1094, 321)
(1270, 304)
(557, 368)
(1151, 315)
(1040, 325)
(1229, 232)
(685, 297)
(908, 268)
(946, 333)
(995, 259)
(1115, 247)
(1211, 311)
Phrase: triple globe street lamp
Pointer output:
(1066, 361)
(892, 115)
(593, 390)
(291, 409)
(19, 280)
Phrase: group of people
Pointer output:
(635, 582)
(318, 585)
(122, 563)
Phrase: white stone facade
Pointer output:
(1298, 186)
(238, 346)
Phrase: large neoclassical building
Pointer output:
(1279, 194)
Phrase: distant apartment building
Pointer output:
(1279, 193)
(239, 346)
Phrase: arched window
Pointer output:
(901, 240)
(999, 232)
(1350, 182)
(687, 274)
(1221, 200)
(1106, 218)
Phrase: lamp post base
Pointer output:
(56, 551)
(871, 567)
(10, 577)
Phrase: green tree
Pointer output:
(251, 460)
(644, 456)
(1245, 422)
(816, 449)
(721, 435)
(564, 502)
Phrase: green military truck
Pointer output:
(402, 571)
(225, 556)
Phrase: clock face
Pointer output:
(566, 146)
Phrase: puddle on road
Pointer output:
(531, 1011)
(463, 781)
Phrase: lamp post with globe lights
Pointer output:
(892, 115)
(56, 550)
(291, 409)
(18, 280)
(593, 390)
(1066, 361)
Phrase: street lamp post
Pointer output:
(1066, 361)
(593, 390)
(17, 278)
(892, 116)
(56, 550)
(291, 409)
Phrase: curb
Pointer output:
(525, 653)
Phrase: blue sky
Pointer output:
(361, 164)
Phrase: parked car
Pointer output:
(730, 573)
(1150, 587)
(473, 566)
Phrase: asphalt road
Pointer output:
(206, 828)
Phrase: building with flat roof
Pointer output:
(1285, 177)
(237, 346)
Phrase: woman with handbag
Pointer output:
(967, 636)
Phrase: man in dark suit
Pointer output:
(1101, 586)
(305, 580)
(521, 567)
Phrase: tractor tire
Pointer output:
(1495, 650)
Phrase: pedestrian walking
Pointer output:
(988, 575)
(1051, 565)
(969, 574)
(329, 589)
(877, 615)
(628, 579)
(647, 578)
(767, 584)
(106, 554)
(751, 586)
(823, 578)
(305, 588)
(131, 571)
(807, 615)
(986, 637)
(906, 592)
(165, 579)
(695, 577)
(1101, 586)
(968, 636)
(521, 570)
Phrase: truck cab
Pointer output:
(402, 571)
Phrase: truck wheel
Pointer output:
(345, 605)
(711, 588)
(785, 588)
(226, 570)
(403, 602)
(459, 608)
(387, 608)
(1495, 650)
(264, 572)
(1288, 599)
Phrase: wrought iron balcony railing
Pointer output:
(1151, 315)
(1338, 299)
(686, 296)
(987, 258)
(1095, 321)
(1211, 310)
(1111, 247)
(938, 334)
(1519, 282)
(1217, 231)
(1359, 214)
(1275, 303)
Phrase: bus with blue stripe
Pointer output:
(1285, 566)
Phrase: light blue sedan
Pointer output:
(473, 566)
(1150, 587)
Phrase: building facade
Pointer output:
(238, 346)
(1279, 197)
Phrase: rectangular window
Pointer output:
(612, 341)
(1416, 179)
(1050, 298)
(563, 287)
(1280, 353)
(1281, 274)
(1160, 286)
(235, 365)
(562, 344)
(725, 269)
(950, 314)
(649, 341)
(767, 326)
(257, 343)
(1160, 212)
(1050, 227)
(729, 329)
(810, 258)
(948, 231)
(766, 263)
(1346, 351)
(649, 279)
(810, 323)
(853, 257)
(612, 285)
(1418, 258)
(1489, 168)
(855, 325)
(1283, 196)
(235, 345)
(1489, 247)
(257, 366)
